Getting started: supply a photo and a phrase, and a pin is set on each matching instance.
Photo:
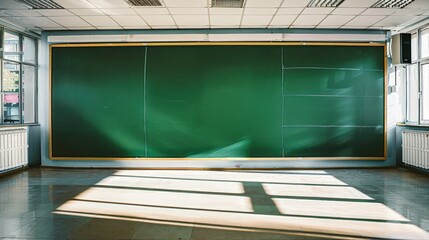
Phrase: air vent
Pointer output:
(41, 4)
(144, 3)
(325, 3)
(392, 3)
(227, 3)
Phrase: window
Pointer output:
(424, 43)
(414, 47)
(18, 79)
(417, 79)
(425, 92)
(413, 94)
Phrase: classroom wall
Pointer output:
(44, 118)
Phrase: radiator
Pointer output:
(415, 148)
(13, 148)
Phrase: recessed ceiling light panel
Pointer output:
(392, 3)
(325, 3)
(144, 3)
(227, 3)
(41, 4)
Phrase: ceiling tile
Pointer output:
(283, 20)
(419, 4)
(130, 21)
(54, 28)
(159, 20)
(41, 22)
(193, 26)
(393, 21)
(225, 26)
(136, 27)
(164, 27)
(348, 11)
(190, 20)
(11, 4)
(295, 3)
(290, 10)
(328, 26)
(264, 3)
(151, 11)
(119, 11)
(354, 27)
(74, 3)
(186, 3)
(358, 3)
(100, 21)
(109, 27)
(109, 3)
(226, 11)
(410, 12)
(18, 21)
(23, 13)
(336, 20)
(308, 20)
(188, 10)
(82, 28)
(259, 20)
(54, 12)
(303, 26)
(3, 14)
(317, 10)
(379, 11)
(225, 20)
(86, 11)
(70, 21)
(260, 11)
(253, 26)
(364, 20)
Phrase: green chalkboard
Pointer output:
(217, 101)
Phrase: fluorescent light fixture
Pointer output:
(227, 3)
(144, 3)
(392, 3)
(41, 4)
(325, 3)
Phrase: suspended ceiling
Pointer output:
(192, 14)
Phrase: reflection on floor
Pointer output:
(227, 205)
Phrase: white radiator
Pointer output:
(415, 148)
(13, 148)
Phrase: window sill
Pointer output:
(19, 125)
(400, 124)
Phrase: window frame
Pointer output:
(21, 64)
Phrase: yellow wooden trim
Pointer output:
(385, 101)
(50, 103)
(223, 158)
(153, 44)
(219, 44)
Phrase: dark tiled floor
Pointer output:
(227, 205)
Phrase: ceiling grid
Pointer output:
(191, 14)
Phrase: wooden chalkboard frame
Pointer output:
(51, 157)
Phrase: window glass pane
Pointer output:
(11, 108)
(413, 94)
(414, 47)
(11, 46)
(425, 43)
(29, 50)
(28, 93)
(425, 92)
(10, 81)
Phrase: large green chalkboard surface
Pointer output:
(217, 101)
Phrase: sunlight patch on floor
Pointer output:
(252, 202)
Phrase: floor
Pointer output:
(206, 205)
